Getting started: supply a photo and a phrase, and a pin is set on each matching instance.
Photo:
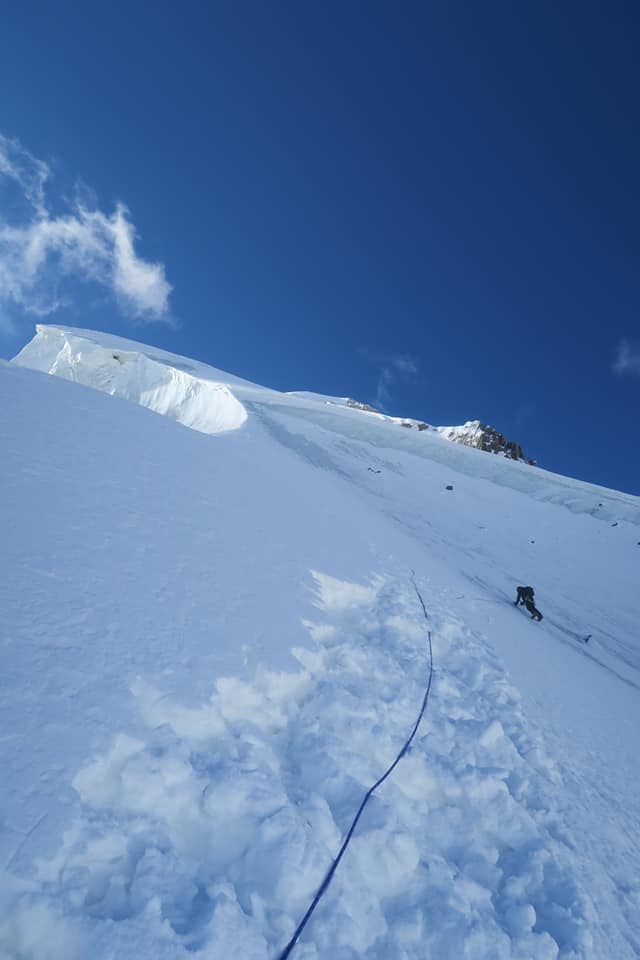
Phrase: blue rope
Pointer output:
(332, 869)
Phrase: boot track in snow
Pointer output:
(208, 832)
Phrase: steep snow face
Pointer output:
(211, 649)
(195, 401)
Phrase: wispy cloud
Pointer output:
(42, 251)
(627, 358)
(29, 173)
(404, 365)
(390, 370)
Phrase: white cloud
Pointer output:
(404, 365)
(383, 388)
(29, 173)
(391, 370)
(627, 358)
(38, 254)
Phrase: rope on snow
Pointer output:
(334, 865)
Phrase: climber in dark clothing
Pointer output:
(525, 596)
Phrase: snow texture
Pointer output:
(213, 648)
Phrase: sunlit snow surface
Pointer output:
(212, 648)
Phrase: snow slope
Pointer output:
(212, 647)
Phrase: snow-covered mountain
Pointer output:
(193, 393)
(213, 645)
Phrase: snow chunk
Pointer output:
(31, 928)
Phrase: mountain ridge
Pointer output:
(93, 358)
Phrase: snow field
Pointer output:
(189, 812)
(208, 835)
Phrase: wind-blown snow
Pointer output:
(212, 648)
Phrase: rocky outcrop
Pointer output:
(359, 405)
(473, 433)
(483, 437)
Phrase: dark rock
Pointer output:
(358, 405)
(480, 435)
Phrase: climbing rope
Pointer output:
(332, 869)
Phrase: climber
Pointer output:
(525, 596)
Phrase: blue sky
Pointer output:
(432, 206)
